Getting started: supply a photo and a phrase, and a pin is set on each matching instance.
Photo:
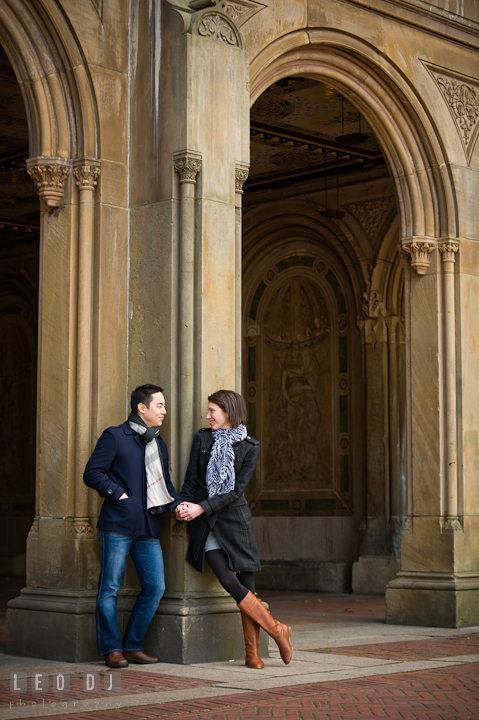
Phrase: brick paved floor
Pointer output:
(413, 650)
(442, 694)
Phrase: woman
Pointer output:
(223, 458)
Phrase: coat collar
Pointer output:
(128, 431)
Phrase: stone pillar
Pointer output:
(379, 546)
(184, 315)
(54, 615)
(241, 175)
(439, 579)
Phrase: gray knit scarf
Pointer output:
(156, 493)
(220, 473)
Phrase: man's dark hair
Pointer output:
(143, 394)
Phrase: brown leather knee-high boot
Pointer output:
(280, 633)
(251, 643)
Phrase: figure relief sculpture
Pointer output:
(296, 321)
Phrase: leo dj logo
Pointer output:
(60, 682)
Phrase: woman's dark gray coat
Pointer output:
(228, 514)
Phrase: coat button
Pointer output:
(110, 492)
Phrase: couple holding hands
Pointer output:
(129, 468)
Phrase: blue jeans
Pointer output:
(148, 559)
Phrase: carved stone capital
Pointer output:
(82, 527)
(452, 526)
(187, 165)
(373, 305)
(86, 174)
(392, 322)
(241, 175)
(419, 249)
(49, 175)
(448, 251)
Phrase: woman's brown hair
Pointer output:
(232, 404)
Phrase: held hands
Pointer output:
(188, 511)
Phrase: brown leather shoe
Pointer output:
(116, 660)
(138, 656)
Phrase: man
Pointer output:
(129, 468)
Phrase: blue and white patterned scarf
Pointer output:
(220, 473)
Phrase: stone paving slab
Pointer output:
(448, 693)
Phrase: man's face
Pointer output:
(154, 414)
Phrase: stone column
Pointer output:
(187, 222)
(451, 523)
(438, 583)
(241, 175)
(54, 616)
(187, 165)
(86, 173)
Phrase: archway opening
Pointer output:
(19, 272)
(323, 349)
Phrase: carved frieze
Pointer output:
(461, 95)
(371, 215)
(187, 165)
(86, 176)
(419, 250)
(217, 27)
(49, 176)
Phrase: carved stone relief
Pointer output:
(50, 176)
(216, 27)
(371, 215)
(242, 10)
(419, 249)
(462, 98)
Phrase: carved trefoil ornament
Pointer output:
(419, 250)
(187, 164)
(218, 27)
(461, 94)
(49, 175)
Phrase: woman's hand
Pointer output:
(188, 511)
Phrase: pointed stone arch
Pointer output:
(408, 138)
(54, 79)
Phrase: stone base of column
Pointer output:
(187, 628)
(53, 625)
(371, 574)
(433, 599)
(198, 629)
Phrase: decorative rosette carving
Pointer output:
(49, 176)
(81, 526)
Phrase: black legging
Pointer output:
(236, 584)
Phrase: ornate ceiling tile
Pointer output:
(461, 95)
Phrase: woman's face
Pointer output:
(217, 417)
